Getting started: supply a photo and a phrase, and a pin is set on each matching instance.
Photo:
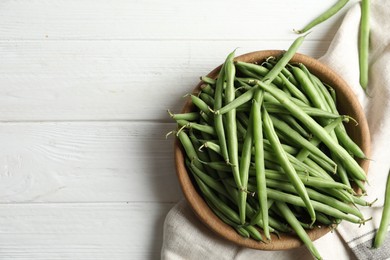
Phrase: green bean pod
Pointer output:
(286, 165)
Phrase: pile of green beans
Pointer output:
(268, 150)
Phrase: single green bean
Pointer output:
(199, 103)
(364, 42)
(324, 16)
(208, 80)
(254, 233)
(190, 116)
(259, 158)
(231, 132)
(246, 161)
(209, 100)
(385, 220)
(311, 111)
(203, 128)
(206, 88)
(218, 121)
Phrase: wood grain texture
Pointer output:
(110, 80)
(87, 162)
(153, 19)
(82, 231)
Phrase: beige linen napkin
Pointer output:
(186, 238)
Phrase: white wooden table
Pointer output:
(85, 170)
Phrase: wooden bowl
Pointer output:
(347, 104)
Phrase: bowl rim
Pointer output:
(197, 203)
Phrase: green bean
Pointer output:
(206, 88)
(362, 202)
(254, 233)
(360, 184)
(218, 121)
(322, 218)
(199, 103)
(259, 158)
(385, 220)
(342, 173)
(311, 111)
(208, 80)
(364, 41)
(203, 128)
(324, 16)
(285, 163)
(213, 146)
(191, 116)
(308, 87)
(207, 99)
(286, 73)
(294, 223)
(241, 131)
(189, 148)
(246, 160)
(318, 131)
(231, 132)
(206, 119)
(273, 73)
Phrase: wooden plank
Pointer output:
(87, 162)
(153, 19)
(110, 80)
(82, 231)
